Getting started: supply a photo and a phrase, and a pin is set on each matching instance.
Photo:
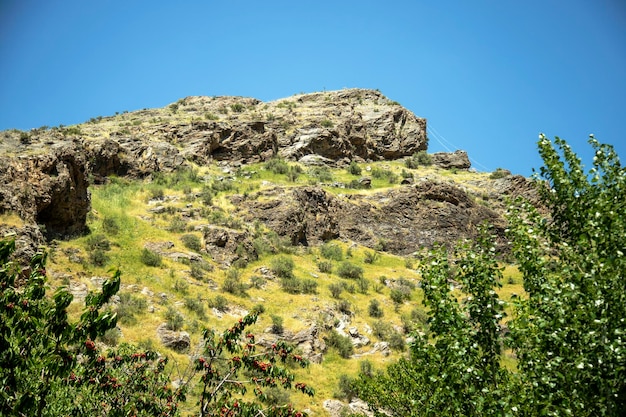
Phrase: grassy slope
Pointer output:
(127, 204)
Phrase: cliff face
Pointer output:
(44, 173)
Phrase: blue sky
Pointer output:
(488, 75)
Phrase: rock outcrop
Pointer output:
(451, 160)
(48, 192)
(400, 221)
(47, 184)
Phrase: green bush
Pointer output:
(277, 324)
(325, 267)
(129, 306)
(341, 343)
(173, 319)
(150, 258)
(499, 173)
(98, 241)
(282, 266)
(374, 309)
(371, 257)
(322, 173)
(277, 166)
(220, 303)
(349, 270)
(192, 242)
(110, 225)
(196, 305)
(335, 290)
(331, 250)
(345, 390)
(354, 168)
(98, 257)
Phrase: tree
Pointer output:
(570, 333)
(458, 371)
(236, 352)
(51, 366)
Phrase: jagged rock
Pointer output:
(315, 160)
(48, 189)
(178, 341)
(405, 219)
(227, 245)
(450, 160)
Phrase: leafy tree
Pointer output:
(458, 371)
(569, 333)
(39, 346)
(233, 352)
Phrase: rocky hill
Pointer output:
(45, 173)
(313, 206)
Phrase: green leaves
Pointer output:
(568, 333)
(234, 352)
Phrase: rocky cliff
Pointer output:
(45, 173)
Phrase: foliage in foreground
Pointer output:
(568, 334)
(50, 366)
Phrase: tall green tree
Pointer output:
(457, 371)
(570, 333)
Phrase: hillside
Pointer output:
(315, 207)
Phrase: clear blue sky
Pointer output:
(488, 75)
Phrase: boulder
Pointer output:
(178, 341)
(451, 160)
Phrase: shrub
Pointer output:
(308, 286)
(173, 319)
(181, 286)
(371, 257)
(111, 337)
(277, 165)
(110, 225)
(335, 290)
(354, 168)
(293, 173)
(322, 173)
(220, 303)
(192, 242)
(98, 257)
(282, 266)
(98, 241)
(382, 330)
(276, 397)
(128, 307)
(196, 305)
(374, 309)
(237, 107)
(197, 271)
(232, 283)
(343, 306)
(325, 267)
(150, 258)
(363, 285)
(396, 341)
(327, 123)
(257, 281)
(341, 343)
(349, 270)
(499, 173)
(345, 391)
(277, 324)
(333, 251)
